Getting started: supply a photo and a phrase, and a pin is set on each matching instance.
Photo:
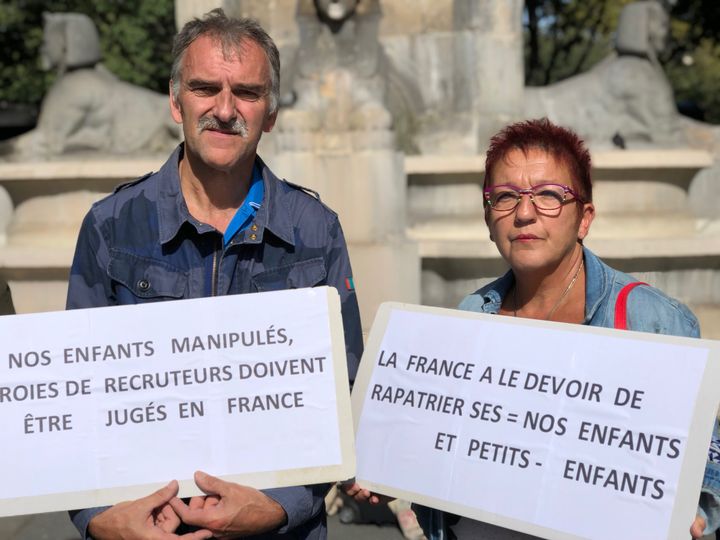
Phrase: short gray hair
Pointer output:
(231, 33)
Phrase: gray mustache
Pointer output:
(236, 127)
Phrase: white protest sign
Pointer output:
(108, 404)
(557, 430)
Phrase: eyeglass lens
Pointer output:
(545, 196)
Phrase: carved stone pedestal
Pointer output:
(361, 177)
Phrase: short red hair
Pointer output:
(561, 143)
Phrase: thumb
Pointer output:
(698, 527)
(161, 496)
(210, 485)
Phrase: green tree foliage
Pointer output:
(567, 37)
(692, 59)
(135, 35)
(702, 19)
(696, 80)
(21, 79)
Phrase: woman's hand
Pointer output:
(697, 528)
(353, 489)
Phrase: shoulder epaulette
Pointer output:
(124, 185)
(309, 191)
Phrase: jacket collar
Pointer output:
(172, 210)
(597, 284)
(274, 213)
(493, 297)
(596, 287)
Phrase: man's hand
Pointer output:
(697, 528)
(230, 510)
(149, 518)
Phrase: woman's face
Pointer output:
(527, 238)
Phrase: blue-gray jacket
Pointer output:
(648, 310)
(141, 244)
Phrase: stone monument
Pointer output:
(340, 73)
(337, 139)
(88, 109)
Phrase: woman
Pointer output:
(538, 208)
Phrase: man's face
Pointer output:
(223, 102)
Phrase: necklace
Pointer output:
(559, 300)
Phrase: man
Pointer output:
(6, 303)
(214, 220)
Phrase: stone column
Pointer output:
(495, 27)
(360, 176)
(188, 9)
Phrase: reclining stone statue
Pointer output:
(88, 109)
(626, 99)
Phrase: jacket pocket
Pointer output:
(291, 276)
(144, 277)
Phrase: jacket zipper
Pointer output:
(215, 268)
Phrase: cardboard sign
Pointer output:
(557, 430)
(109, 404)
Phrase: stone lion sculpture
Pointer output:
(339, 75)
(626, 97)
(88, 108)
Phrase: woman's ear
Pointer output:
(487, 222)
(586, 219)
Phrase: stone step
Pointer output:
(26, 180)
(617, 236)
(17, 260)
(603, 161)
(645, 225)
(609, 197)
(623, 181)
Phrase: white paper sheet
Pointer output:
(557, 430)
(106, 404)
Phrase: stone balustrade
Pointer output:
(50, 200)
(645, 225)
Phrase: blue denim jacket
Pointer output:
(648, 310)
(141, 244)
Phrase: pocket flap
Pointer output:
(146, 277)
(292, 276)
